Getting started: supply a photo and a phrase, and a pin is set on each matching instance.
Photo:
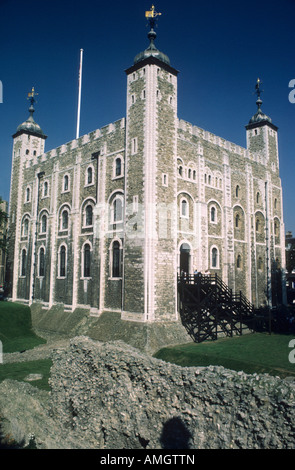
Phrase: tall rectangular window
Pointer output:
(62, 262)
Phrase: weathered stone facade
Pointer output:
(106, 221)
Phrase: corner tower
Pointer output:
(28, 143)
(149, 286)
(268, 231)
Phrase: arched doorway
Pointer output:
(184, 262)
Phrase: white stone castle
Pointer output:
(107, 221)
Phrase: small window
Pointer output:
(28, 194)
(258, 198)
(116, 260)
(86, 260)
(66, 183)
(184, 208)
(118, 166)
(213, 214)
(260, 264)
(134, 145)
(214, 258)
(239, 261)
(45, 189)
(117, 210)
(180, 170)
(275, 203)
(42, 262)
(164, 179)
(89, 215)
(65, 219)
(237, 190)
(237, 221)
(24, 262)
(89, 175)
(62, 261)
(44, 224)
(257, 225)
(25, 230)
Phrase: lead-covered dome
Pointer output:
(152, 51)
(30, 126)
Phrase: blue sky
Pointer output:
(219, 48)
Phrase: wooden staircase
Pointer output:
(209, 309)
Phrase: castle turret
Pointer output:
(267, 208)
(28, 143)
(150, 189)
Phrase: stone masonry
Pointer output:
(112, 396)
(107, 221)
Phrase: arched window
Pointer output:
(118, 166)
(237, 190)
(65, 219)
(214, 258)
(180, 170)
(258, 198)
(209, 179)
(184, 208)
(45, 189)
(117, 210)
(41, 262)
(28, 194)
(194, 174)
(275, 203)
(89, 175)
(86, 260)
(239, 261)
(257, 225)
(24, 262)
(189, 174)
(25, 230)
(260, 264)
(66, 183)
(213, 214)
(237, 220)
(62, 261)
(44, 223)
(116, 259)
(89, 215)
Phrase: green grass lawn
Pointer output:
(20, 370)
(258, 352)
(16, 331)
(16, 335)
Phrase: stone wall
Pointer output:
(111, 396)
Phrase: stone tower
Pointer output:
(28, 143)
(267, 228)
(149, 290)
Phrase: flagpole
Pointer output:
(79, 97)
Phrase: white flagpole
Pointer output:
(79, 98)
